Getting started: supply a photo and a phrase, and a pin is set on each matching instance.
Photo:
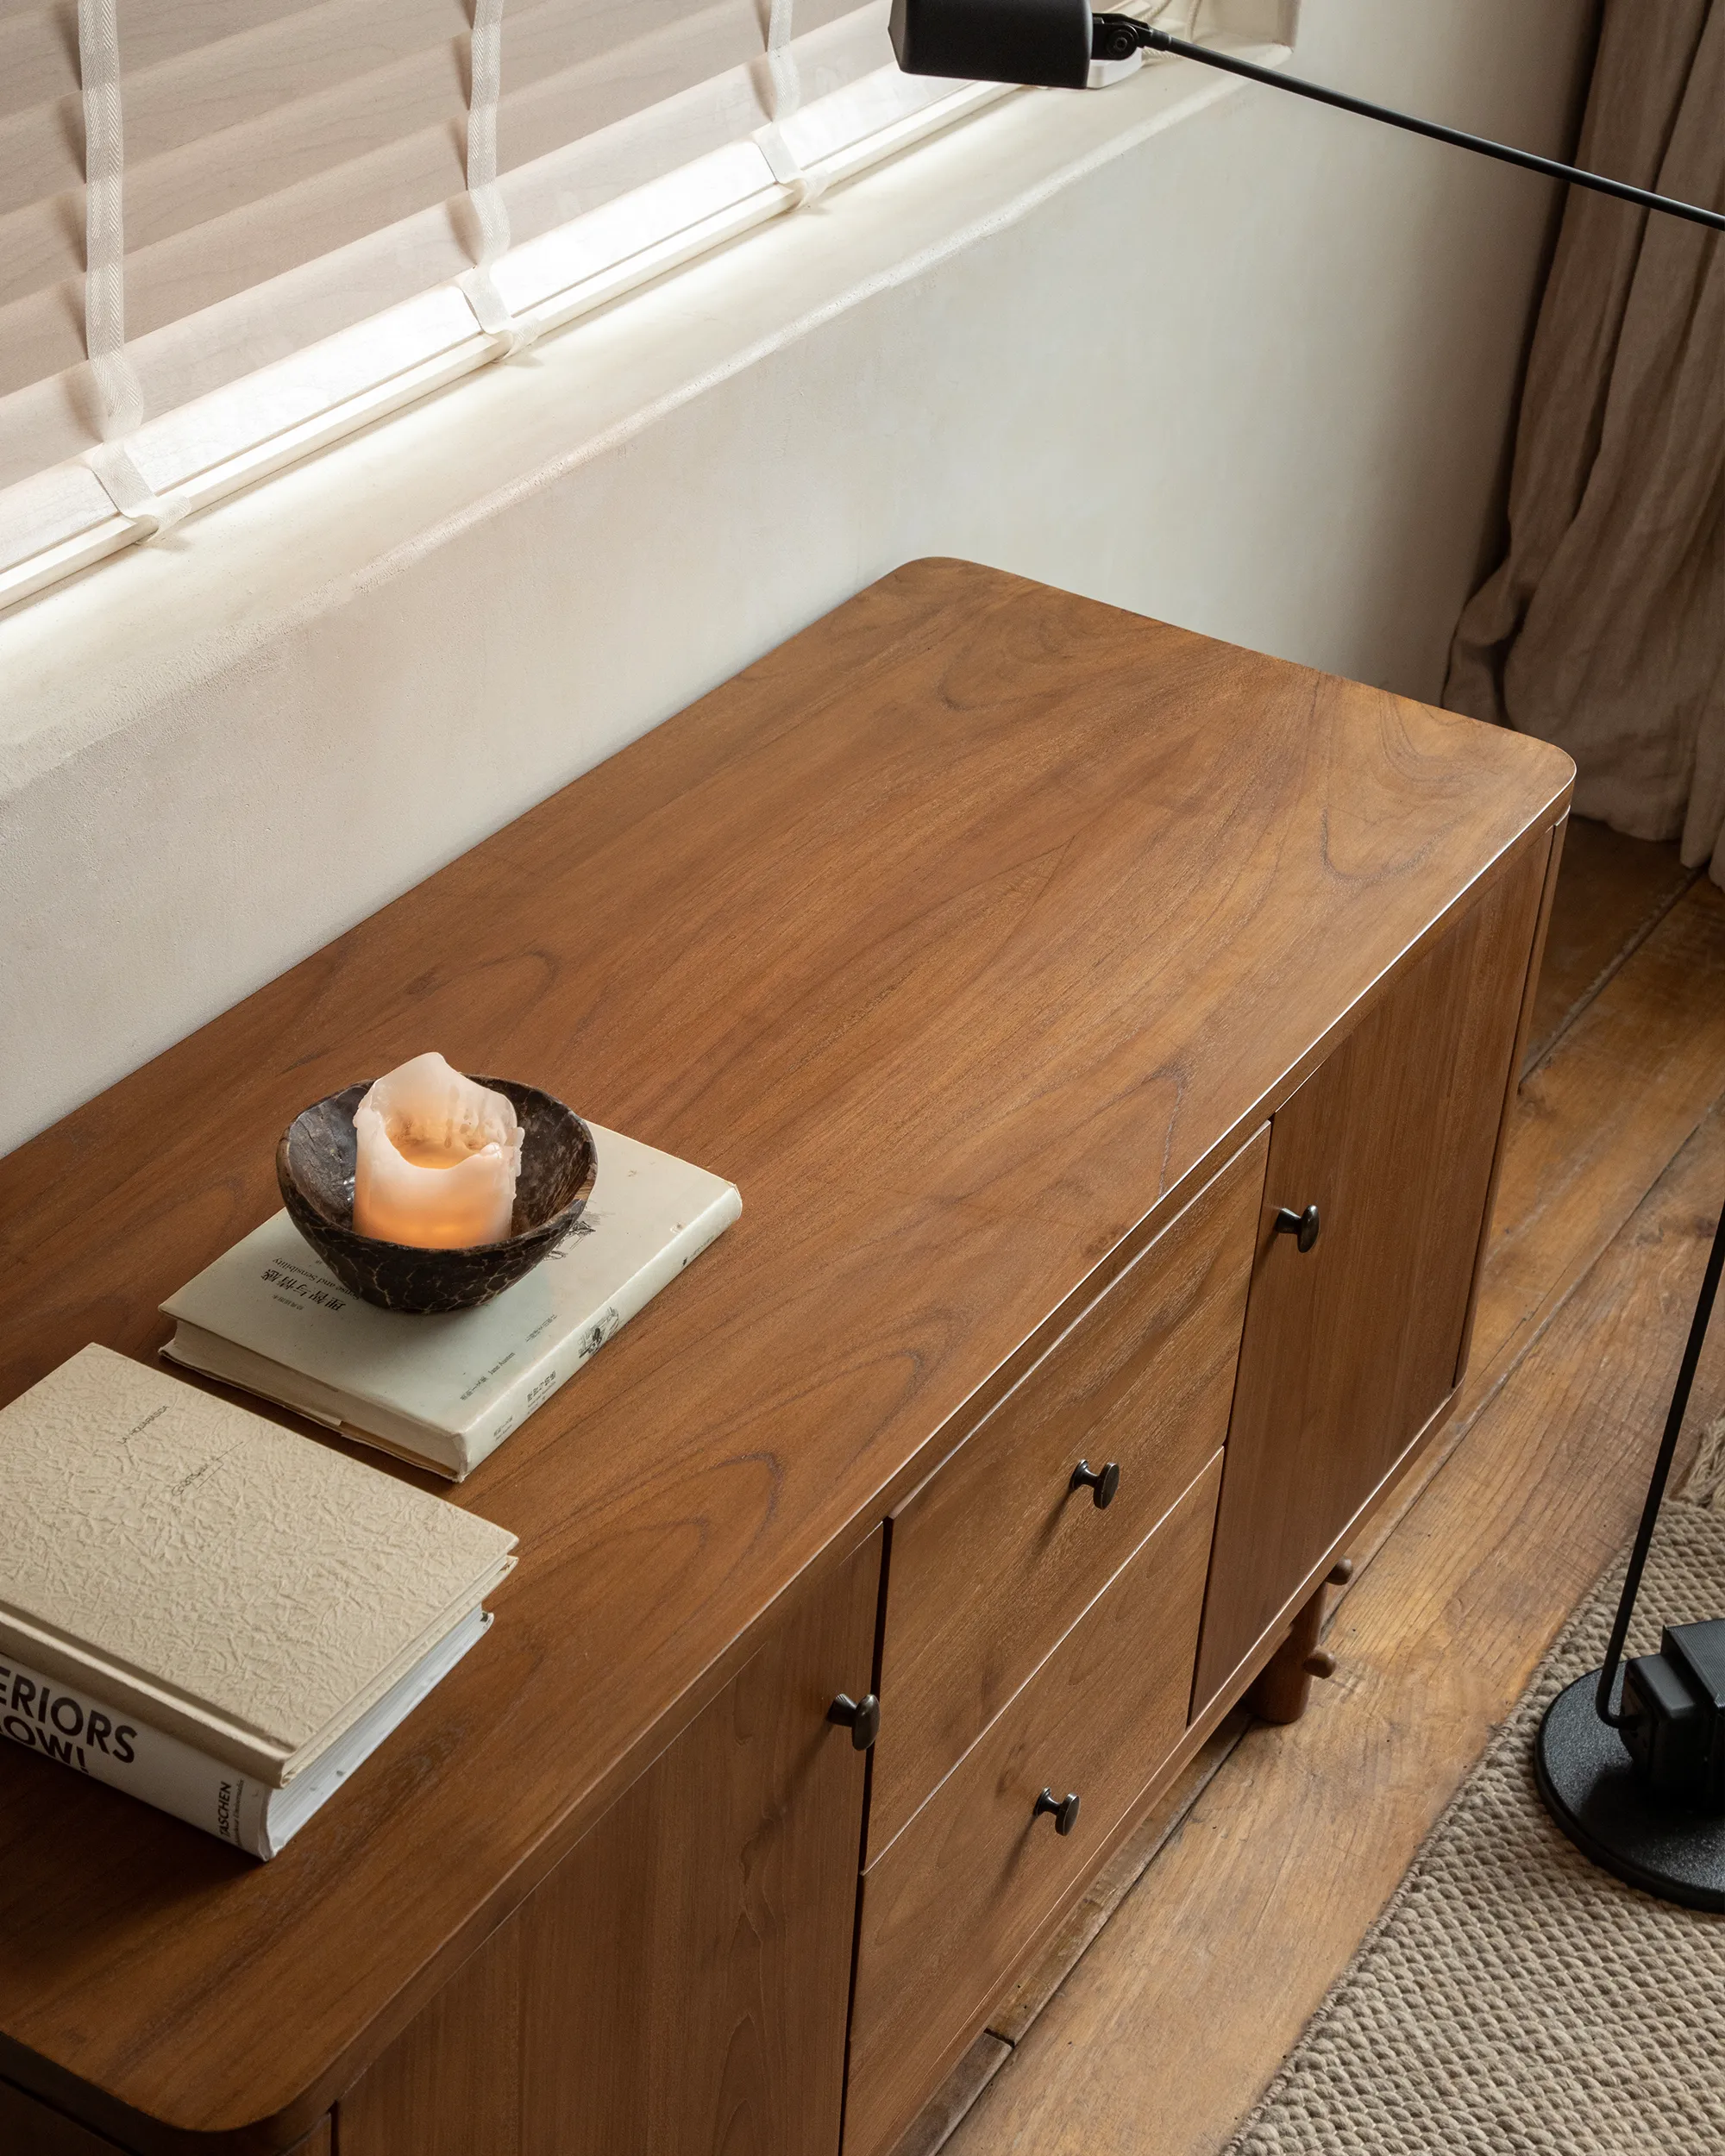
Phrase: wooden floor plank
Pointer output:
(1166, 2031)
(1611, 892)
(1594, 1128)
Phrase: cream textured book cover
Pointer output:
(249, 1590)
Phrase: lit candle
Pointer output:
(437, 1160)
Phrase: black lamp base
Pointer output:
(1595, 1794)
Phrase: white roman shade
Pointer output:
(299, 216)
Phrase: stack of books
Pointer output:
(444, 1392)
(209, 1612)
(224, 1618)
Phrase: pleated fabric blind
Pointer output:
(295, 218)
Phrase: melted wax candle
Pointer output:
(438, 1156)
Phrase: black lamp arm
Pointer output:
(1117, 36)
(1656, 1488)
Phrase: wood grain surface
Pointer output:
(680, 1982)
(1226, 1945)
(949, 1909)
(962, 932)
(996, 1555)
(1351, 1347)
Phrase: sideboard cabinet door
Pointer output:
(679, 1985)
(1353, 1344)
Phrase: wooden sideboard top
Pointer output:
(961, 933)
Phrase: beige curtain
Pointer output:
(1603, 627)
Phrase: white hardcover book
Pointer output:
(67, 1724)
(270, 1317)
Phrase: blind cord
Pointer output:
(119, 394)
(485, 88)
(786, 78)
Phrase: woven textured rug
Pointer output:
(1513, 2001)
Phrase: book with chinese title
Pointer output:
(270, 1317)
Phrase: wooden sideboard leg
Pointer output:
(1284, 1684)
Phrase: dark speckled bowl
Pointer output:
(314, 1164)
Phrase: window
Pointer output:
(298, 218)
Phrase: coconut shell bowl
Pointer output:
(314, 1165)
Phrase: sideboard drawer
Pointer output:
(997, 1554)
(948, 1910)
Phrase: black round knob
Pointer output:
(1102, 1483)
(1111, 38)
(1064, 1809)
(1302, 1227)
(862, 1717)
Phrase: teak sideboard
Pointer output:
(1111, 1032)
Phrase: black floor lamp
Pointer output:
(1635, 1777)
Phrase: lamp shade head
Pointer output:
(1044, 42)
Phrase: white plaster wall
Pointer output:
(1254, 376)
